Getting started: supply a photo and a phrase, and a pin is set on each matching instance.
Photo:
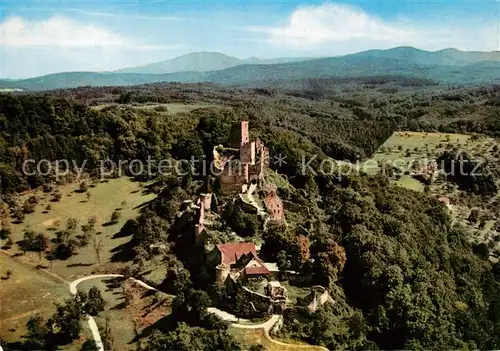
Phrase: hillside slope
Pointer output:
(446, 66)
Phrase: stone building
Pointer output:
(238, 260)
(248, 165)
(274, 206)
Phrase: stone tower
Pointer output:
(245, 136)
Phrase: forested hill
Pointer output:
(340, 119)
(445, 67)
(402, 275)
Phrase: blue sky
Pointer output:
(41, 36)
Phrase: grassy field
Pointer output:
(105, 197)
(406, 148)
(403, 148)
(249, 337)
(129, 308)
(30, 290)
(169, 108)
(120, 321)
(38, 290)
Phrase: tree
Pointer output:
(37, 332)
(32, 241)
(115, 216)
(329, 262)
(57, 195)
(95, 303)
(107, 336)
(19, 215)
(51, 257)
(283, 261)
(185, 337)
(88, 232)
(97, 245)
(89, 345)
(29, 206)
(303, 252)
(83, 187)
(41, 243)
(71, 224)
(68, 316)
(4, 233)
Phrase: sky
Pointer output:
(39, 37)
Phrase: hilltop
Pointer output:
(200, 62)
(449, 66)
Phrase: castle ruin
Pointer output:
(238, 173)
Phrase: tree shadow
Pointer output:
(119, 306)
(79, 265)
(164, 324)
(144, 204)
(123, 253)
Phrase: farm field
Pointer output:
(406, 148)
(120, 194)
(403, 148)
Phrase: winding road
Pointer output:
(266, 326)
(92, 324)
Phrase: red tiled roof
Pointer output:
(231, 252)
(256, 270)
(444, 199)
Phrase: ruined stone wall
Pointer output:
(275, 207)
(200, 226)
(207, 200)
(231, 183)
(247, 153)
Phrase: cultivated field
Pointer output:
(418, 148)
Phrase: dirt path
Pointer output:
(22, 315)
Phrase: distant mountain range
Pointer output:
(449, 66)
(202, 62)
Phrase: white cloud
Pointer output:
(57, 32)
(60, 32)
(343, 28)
(31, 48)
(333, 22)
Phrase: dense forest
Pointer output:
(335, 118)
(402, 275)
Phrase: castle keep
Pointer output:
(246, 165)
